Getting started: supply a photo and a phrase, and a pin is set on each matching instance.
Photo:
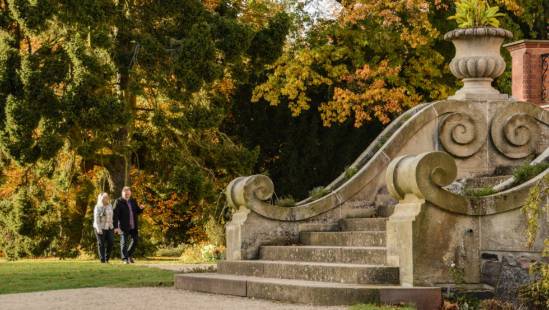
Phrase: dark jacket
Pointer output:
(121, 213)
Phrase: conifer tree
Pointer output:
(95, 92)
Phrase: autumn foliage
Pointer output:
(379, 58)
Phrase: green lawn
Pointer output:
(52, 274)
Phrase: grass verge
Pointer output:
(47, 274)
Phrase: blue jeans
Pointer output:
(128, 242)
(104, 244)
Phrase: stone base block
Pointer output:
(309, 292)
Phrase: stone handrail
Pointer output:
(254, 192)
(510, 199)
(374, 146)
(458, 120)
(423, 177)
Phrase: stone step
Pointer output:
(326, 254)
(385, 210)
(309, 271)
(363, 224)
(309, 292)
(344, 238)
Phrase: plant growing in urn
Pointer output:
(477, 41)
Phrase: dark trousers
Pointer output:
(128, 242)
(104, 244)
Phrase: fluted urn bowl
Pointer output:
(478, 60)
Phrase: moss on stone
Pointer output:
(318, 192)
(350, 172)
(526, 172)
(479, 192)
(286, 202)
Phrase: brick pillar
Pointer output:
(529, 75)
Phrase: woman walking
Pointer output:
(103, 226)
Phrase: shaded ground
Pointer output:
(138, 298)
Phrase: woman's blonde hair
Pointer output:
(100, 198)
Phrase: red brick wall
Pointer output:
(527, 70)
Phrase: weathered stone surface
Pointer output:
(508, 272)
(500, 232)
(516, 130)
(490, 181)
(323, 272)
(312, 293)
(490, 273)
(318, 226)
(462, 134)
(363, 224)
(326, 254)
(511, 278)
(425, 242)
(428, 298)
(318, 293)
(359, 208)
(344, 238)
(211, 283)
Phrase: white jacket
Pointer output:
(102, 217)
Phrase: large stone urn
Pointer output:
(478, 61)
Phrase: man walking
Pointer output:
(125, 218)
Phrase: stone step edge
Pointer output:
(326, 254)
(345, 232)
(305, 263)
(363, 224)
(329, 247)
(426, 298)
(294, 282)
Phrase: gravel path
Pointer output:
(138, 298)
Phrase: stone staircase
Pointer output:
(327, 268)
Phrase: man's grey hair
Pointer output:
(126, 188)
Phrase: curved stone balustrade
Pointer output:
(424, 176)
(462, 131)
(254, 193)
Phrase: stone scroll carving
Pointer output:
(244, 190)
(255, 192)
(461, 134)
(424, 176)
(515, 134)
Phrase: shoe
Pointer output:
(132, 261)
(103, 261)
(125, 261)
